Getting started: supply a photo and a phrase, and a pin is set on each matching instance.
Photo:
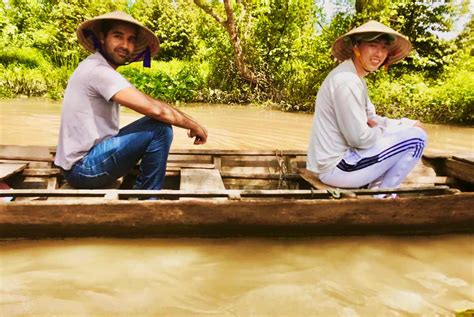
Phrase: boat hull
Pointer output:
(228, 218)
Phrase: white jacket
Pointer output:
(342, 110)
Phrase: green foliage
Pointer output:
(27, 56)
(57, 36)
(453, 97)
(285, 44)
(16, 79)
(418, 21)
(280, 46)
(24, 71)
(171, 21)
(449, 99)
(466, 313)
(182, 81)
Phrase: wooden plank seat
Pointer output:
(179, 165)
(420, 176)
(8, 170)
(313, 179)
(201, 179)
(197, 179)
(27, 153)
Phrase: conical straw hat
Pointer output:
(146, 38)
(399, 48)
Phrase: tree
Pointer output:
(172, 21)
(229, 24)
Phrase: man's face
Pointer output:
(372, 54)
(119, 43)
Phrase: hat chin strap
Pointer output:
(88, 33)
(146, 54)
(97, 45)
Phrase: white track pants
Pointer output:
(384, 165)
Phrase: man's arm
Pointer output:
(161, 111)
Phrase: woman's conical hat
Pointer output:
(399, 48)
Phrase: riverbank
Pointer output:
(447, 99)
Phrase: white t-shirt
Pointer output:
(88, 116)
(342, 110)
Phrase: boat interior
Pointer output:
(31, 174)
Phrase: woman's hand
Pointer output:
(371, 123)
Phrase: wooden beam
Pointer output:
(269, 176)
(237, 152)
(460, 169)
(217, 160)
(27, 153)
(52, 183)
(171, 165)
(35, 172)
(467, 158)
(203, 192)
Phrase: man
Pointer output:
(92, 150)
(350, 146)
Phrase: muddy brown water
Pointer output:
(327, 276)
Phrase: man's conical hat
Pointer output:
(145, 39)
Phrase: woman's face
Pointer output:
(371, 55)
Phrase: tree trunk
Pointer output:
(231, 28)
(360, 5)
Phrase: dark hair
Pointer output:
(370, 37)
(107, 25)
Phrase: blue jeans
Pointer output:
(146, 139)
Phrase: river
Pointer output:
(325, 276)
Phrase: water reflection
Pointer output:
(349, 276)
(36, 122)
(361, 276)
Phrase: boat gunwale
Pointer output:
(439, 190)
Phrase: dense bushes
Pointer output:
(285, 44)
(24, 71)
(172, 81)
(449, 99)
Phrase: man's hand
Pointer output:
(199, 133)
(134, 99)
(371, 123)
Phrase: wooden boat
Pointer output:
(221, 193)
